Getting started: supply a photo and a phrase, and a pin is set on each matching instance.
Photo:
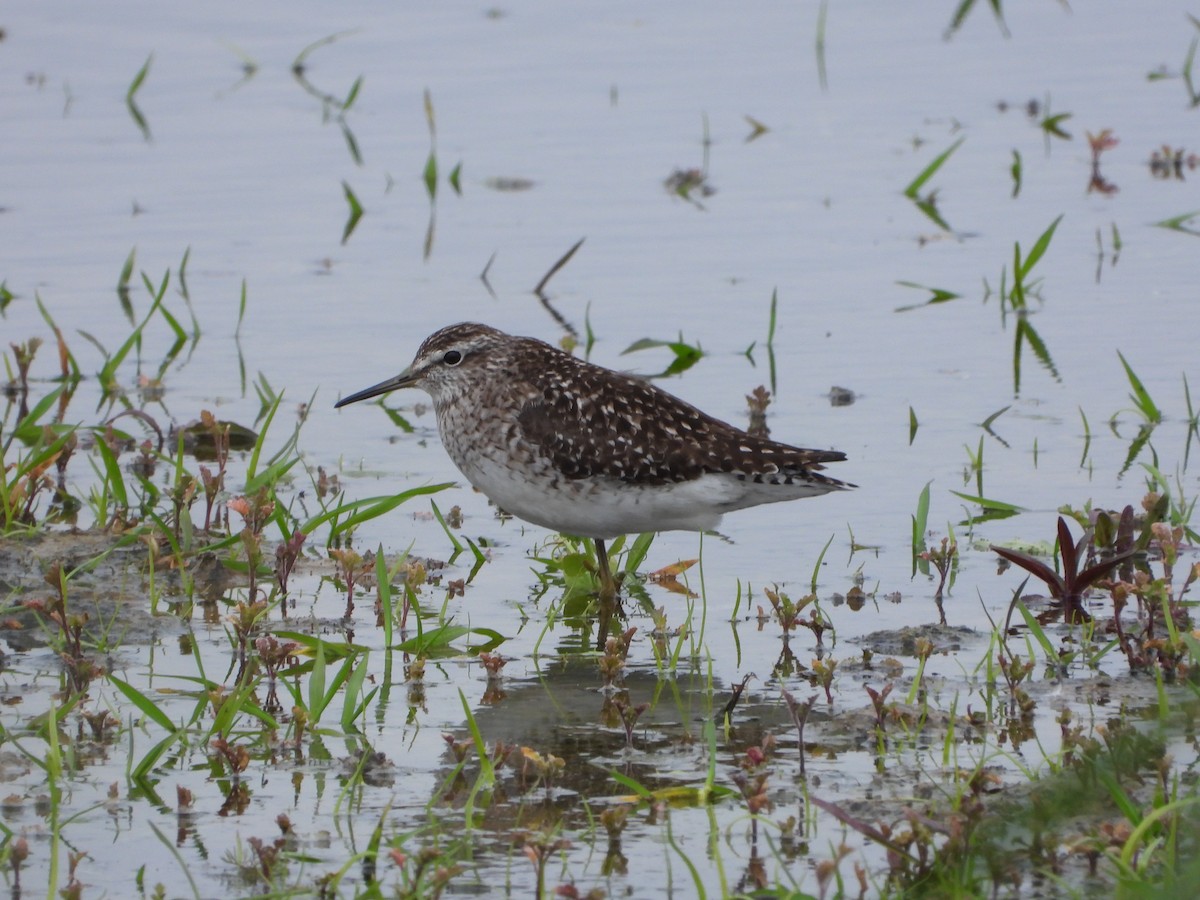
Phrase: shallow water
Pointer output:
(597, 108)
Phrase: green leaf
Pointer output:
(1039, 248)
(370, 508)
(351, 708)
(928, 172)
(1140, 396)
(1052, 125)
(147, 706)
(356, 212)
(114, 478)
(108, 373)
(333, 650)
(318, 697)
(353, 93)
(937, 295)
(686, 355)
(637, 551)
(487, 771)
(429, 175)
(817, 565)
(1038, 633)
(438, 641)
(630, 784)
(29, 431)
(928, 206)
(988, 503)
(131, 104)
(398, 420)
(920, 522)
(454, 542)
(241, 309)
(986, 424)
(139, 78)
(1178, 223)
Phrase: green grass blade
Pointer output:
(109, 371)
(351, 707)
(1141, 397)
(630, 784)
(114, 478)
(147, 706)
(487, 772)
(817, 565)
(454, 542)
(316, 683)
(379, 506)
(921, 519)
(241, 310)
(986, 503)
(1039, 634)
(1179, 223)
(928, 172)
(1039, 249)
(383, 584)
(356, 212)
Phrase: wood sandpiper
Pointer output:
(591, 452)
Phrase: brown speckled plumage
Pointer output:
(594, 422)
(588, 451)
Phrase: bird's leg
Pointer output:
(609, 601)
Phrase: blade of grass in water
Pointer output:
(147, 706)
(487, 772)
(356, 212)
(920, 523)
(241, 310)
(1039, 248)
(822, 73)
(1140, 396)
(1180, 223)
(936, 296)
(131, 93)
(930, 170)
(817, 565)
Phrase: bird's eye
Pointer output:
(452, 358)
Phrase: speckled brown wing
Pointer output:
(643, 435)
